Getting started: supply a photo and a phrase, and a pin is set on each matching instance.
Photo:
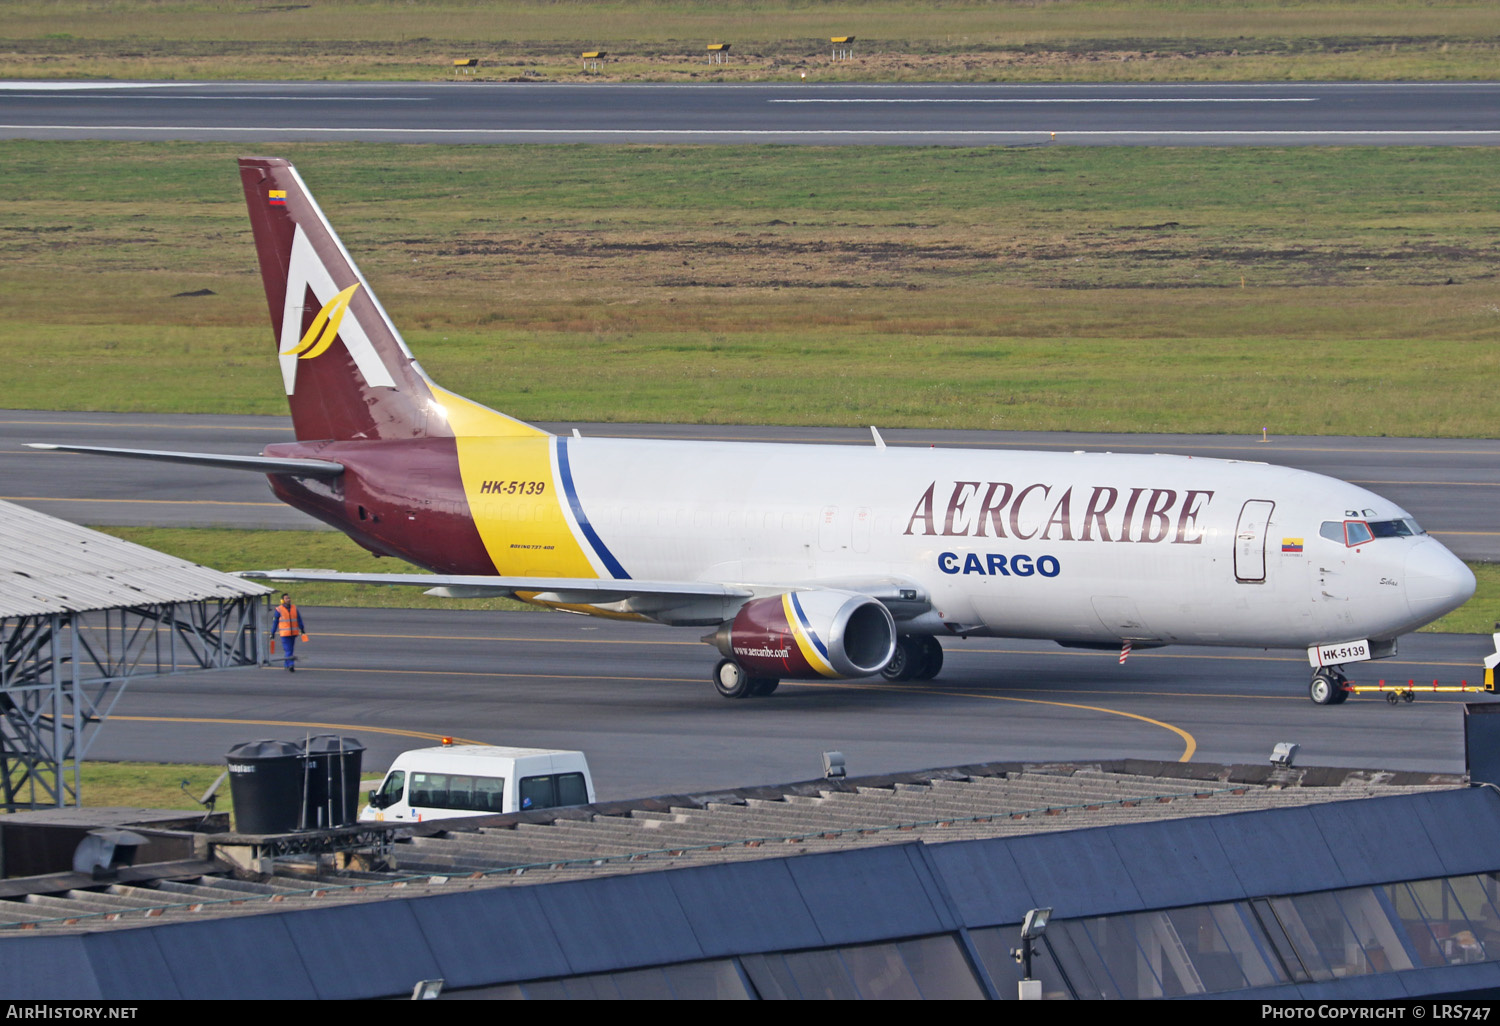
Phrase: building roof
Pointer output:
(50, 566)
(986, 802)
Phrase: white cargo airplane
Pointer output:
(809, 561)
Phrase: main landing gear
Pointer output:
(1327, 687)
(732, 681)
(918, 657)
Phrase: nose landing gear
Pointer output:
(1327, 687)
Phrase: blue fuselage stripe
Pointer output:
(605, 556)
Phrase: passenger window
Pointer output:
(460, 793)
(1357, 532)
(429, 790)
(489, 794)
(571, 789)
(537, 793)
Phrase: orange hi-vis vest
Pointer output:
(287, 617)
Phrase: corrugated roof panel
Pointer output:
(612, 923)
(1376, 842)
(1473, 847)
(49, 565)
(1179, 862)
(47, 969)
(1078, 873)
(984, 880)
(504, 936)
(753, 906)
(871, 893)
(1278, 853)
(341, 946)
(242, 958)
(130, 966)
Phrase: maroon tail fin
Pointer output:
(347, 372)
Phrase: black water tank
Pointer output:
(333, 764)
(266, 782)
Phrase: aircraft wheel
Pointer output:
(906, 659)
(731, 680)
(932, 658)
(1323, 691)
(762, 686)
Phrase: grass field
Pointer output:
(1321, 291)
(156, 785)
(664, 40)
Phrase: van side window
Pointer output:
(457, 791)
(429, 791)
(552, 791)
(489, 794)
(537, 793)
(571, 789)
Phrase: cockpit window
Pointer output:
(1358, 532)
(1403, 528)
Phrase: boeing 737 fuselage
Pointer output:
(809, 560)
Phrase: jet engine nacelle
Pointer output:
(809, 634)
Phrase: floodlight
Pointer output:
(1035, 924)
(1284, 753)
(833, 765)
(427, 990)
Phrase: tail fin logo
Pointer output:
(324, 328)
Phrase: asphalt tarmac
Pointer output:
(637, 699)
(1235, 114)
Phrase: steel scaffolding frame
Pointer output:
(62, 674)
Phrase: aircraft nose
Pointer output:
(1437, 581)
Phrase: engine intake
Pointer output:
(809, 634)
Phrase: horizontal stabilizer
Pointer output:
(259, 464)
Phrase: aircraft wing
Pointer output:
(554, 590)
(259, 464)
(675, 602)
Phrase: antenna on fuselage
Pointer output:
(879, 442)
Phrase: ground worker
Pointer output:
(288, 627)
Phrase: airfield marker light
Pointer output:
(427, 990)
(447, 742)
(1263, 436)
(1284, 754)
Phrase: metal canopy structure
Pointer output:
(81, 615)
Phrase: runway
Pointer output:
(637, 699)
(1452, 486)
(1241, 114)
